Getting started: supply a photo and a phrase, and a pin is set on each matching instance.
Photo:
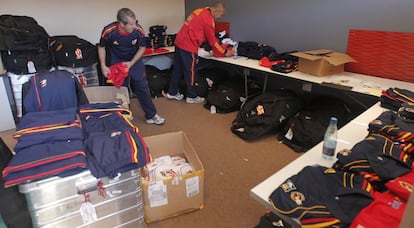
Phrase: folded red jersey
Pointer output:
(267, 63)
(386, 211)
(153, 51)
(402, 186)
(227, 47)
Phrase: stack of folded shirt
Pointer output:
(112, 143)
(49, 144)
(392, 98)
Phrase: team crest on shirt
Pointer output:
(406, 185)
(43, 83)
(330, 171)
(115, 42)
(298, 197)
(134, 42)
(288, 186)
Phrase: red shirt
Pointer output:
(198, 28)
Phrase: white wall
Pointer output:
(86, 18)
(6, 115)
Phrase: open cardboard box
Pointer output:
(322, 62)
(174, 196)
(105, 94)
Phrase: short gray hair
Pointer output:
(123, 15)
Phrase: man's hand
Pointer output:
(229, 53)
(105, 70)
(127, 64)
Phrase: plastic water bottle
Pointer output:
(235, 46)
(330, 140)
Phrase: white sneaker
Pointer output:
(195, 100)
(158, 120)
(177, 96)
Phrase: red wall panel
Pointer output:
(382, 54)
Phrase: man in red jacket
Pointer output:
(198, 28)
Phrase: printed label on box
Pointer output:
(192, 186)
(157, 194)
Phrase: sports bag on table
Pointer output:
(73, 51)
(19, 33)
(23, 45)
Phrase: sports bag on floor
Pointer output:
(158, 80)
(226, 97)
(307, 128)
(208, 79)
(265, 113)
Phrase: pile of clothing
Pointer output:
(62, 134)
(49, 144)
(166, 167)
(158, 37)
(113, 144)
(368, 185)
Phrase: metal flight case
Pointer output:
(82, 200)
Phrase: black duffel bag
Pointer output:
(265, 114)
(21, 33)
(307, 128)
(72, 51)
(27, 61)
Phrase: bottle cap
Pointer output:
(333, 120)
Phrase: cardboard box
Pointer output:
(174, 196)
(105, 94)
(322, 62)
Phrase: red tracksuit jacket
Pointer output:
(198, 28)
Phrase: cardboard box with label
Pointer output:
(322, 62)
(173, 196)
